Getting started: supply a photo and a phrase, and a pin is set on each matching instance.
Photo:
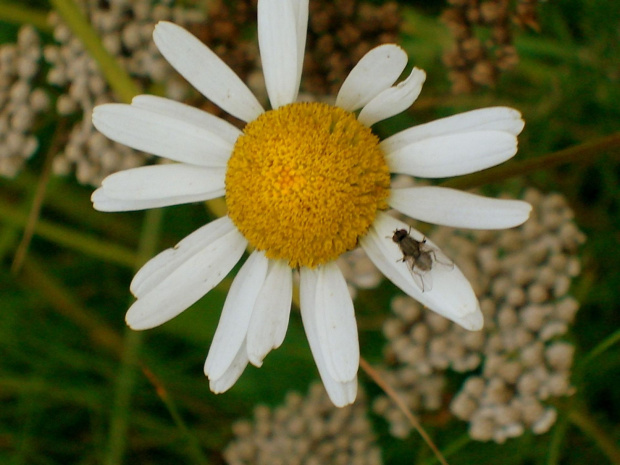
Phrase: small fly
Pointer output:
(420, 258)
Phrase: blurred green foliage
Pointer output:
(68, 361)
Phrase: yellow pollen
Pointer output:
(305, 181)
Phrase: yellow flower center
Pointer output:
(305, 181)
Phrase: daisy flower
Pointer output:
(304, 183)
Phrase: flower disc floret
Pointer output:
(305, 182)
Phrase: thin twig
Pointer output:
(391, 393)
(581, 418)
(39, 197)
(37, 277)
(71, 238)
(193, 444)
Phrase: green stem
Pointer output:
(37, 278)
(70, 238)
(584, 153)
(18, 14)
(37, 202)
(70, 201)
(554, 454)
(126, 380)
(583, 420)
(605, 344)
(451, 448)
(8, 238)
(116, 76)
(193, 445)
(123, 390)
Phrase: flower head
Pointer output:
(304, 182)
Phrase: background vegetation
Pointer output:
(77, 386)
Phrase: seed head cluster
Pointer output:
(20, 100)
(126, 30)
(339, 34)
(358, 271)
(305, 431)
(522, 277)
(483, 39)
(226, 33)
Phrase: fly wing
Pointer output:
(422, 278)
(439, 258)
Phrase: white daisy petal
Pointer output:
(165, 181)
(300, 8)
(502, 119)
(277, 39)
(232, 374)
(271, 312)
(374, 73)
(340, 393)
(336, 325)
(161, 135)
(453, 154)
(235, 319)
(219, 237)
(103, 203)
(450, 207)
(187, 282)
(451, 295)
(393, 100)
(256, 312)
(192, 116)
(206, 71)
